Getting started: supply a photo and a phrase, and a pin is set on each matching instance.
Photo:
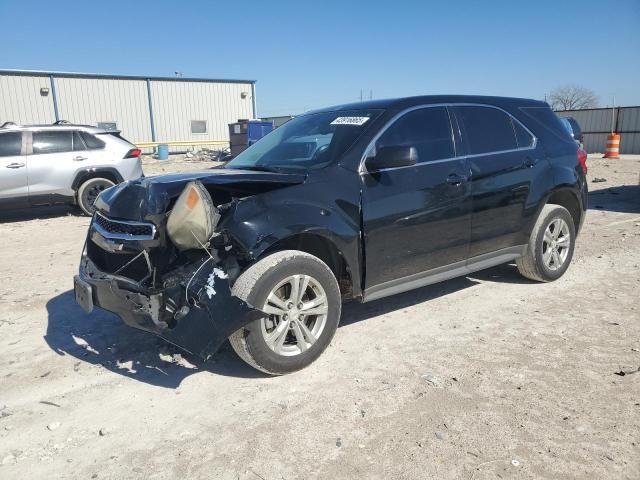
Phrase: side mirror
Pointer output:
(392, 157)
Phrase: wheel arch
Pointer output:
(569, 199)
(319, 246)
(106, 172)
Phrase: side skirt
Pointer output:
(446, 272)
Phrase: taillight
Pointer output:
(133, 153)
(582, 158)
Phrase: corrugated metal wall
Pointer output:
(88, 101)
(22, 102)
(175, 104)
(596, 125)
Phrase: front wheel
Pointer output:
(301, 299)
(550, 247)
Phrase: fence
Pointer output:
(596, 125)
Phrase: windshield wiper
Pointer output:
(259, 168)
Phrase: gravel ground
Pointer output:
(480, 377)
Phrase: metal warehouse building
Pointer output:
(145, 109)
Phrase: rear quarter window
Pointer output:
(92, 142)
(548, 127)
(524, 138)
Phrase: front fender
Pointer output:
(258, 223)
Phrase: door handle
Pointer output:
(530, 162)
(79, 158)
(15, 165)
(456, 180)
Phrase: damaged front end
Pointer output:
(165, 267)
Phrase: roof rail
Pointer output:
(8, 124)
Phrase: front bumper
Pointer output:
(196, 311)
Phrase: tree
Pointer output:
(572, 97)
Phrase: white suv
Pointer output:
(62, 163)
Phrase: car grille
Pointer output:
(123, 229)
(130, 265)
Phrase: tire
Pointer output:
(293, 349)
(539, 262)
(88, 192)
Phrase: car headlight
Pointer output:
(194, 217)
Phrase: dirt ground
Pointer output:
(480, 377)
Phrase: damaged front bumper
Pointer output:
(194, 310)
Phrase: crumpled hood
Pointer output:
(137, 199)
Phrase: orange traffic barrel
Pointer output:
(613, 146)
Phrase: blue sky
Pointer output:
(311, 54)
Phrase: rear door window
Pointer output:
(10, 144)
(426, 129)
(52, 142)
(486, 129)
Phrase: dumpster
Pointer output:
(247, 132)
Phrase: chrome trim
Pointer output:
(362, 170)
(123, 236)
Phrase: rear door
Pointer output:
(416, 218)
(503, 162)
(13, 171)
(55, 157)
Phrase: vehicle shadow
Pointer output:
(38, 213)
(101, 338)
(624, 198)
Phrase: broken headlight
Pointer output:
(194, 217)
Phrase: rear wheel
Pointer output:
(89, 191)
(301, 298)
(550, 247)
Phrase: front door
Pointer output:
(13, 171)
(416, 218)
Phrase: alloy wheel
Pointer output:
(555, 244)
(297, 314)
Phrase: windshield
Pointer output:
(306, 142)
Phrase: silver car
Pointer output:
(62, 163)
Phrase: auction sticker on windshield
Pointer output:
(350, 121)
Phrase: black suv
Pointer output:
(356, 201)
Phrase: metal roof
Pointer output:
(47, 73)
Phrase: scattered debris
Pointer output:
(622, 373)
(432, 380)
(45, 374)
(599, 180)
(103, 432)
(338, 442)
(4, 413)
(45, 402)
(9, 459)
(515, 463)
(440, 435)
(54, 426)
